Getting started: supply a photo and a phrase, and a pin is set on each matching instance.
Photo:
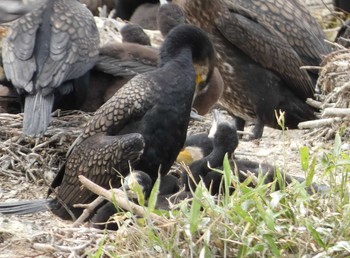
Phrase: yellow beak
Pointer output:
(185, 157)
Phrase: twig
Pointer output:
(124, 203)
(336, 112)
(89, 208)
(318, 123)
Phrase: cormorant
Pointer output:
(225, 140)
(133, 33)
(164, 195)
(125, 8)
(261, 46)
(125, 60)
(45, 50)
(146, 15)
(169, 15)
(153, 109)
(343, 35)
(343, 5)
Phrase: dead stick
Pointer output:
(336, 112)
(88, 209)
(123, 203)
(318, 123)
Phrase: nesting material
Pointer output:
(37, 157)
(334, 98)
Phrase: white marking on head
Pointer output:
(213, 129)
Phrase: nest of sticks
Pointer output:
(37, 158)
(333, 99)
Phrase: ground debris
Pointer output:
(333, 99)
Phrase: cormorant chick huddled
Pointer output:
(48, 52)
(222, 139)
(261, 46)
(145, 123)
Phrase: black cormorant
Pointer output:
(343, 5)
(133, 33)
(343, 35)
(45, 50)
(169, 15)
(153, 107)
(261, 46)
(125, 8)
(225, 140)
(146, 15)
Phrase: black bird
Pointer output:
(133, 33)
(125, 8)
(153, 109)
(169, 15)
(343, 5)
(261, 46)
(343, 35)
(146, 15)
(119, 62)
(45, 50)
(101, 158)
(225, 140)
(13, 9)
(168, 191)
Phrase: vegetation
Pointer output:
(250, 222)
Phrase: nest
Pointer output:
(37, 157)
(334, 98)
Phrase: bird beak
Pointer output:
(185, 157)
(200, 79)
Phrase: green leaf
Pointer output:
(227, 177)
(315, 235)
(195, 217)
(152, 201)
(304, 158)
(271, 243)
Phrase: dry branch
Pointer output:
(121, 200)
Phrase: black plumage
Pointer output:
(169, 15)
(342, 5)
(133, 33)
(152, 109)
(125, 8)
(343, 35)
(146, 15)
(45, 50)
(261, 46)
(225, 140)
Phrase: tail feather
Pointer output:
(37, 113)
(25, 207)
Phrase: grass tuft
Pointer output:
(249, 222)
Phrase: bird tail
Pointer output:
(37, 114)
(25, 207)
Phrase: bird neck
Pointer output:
(173, 54)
